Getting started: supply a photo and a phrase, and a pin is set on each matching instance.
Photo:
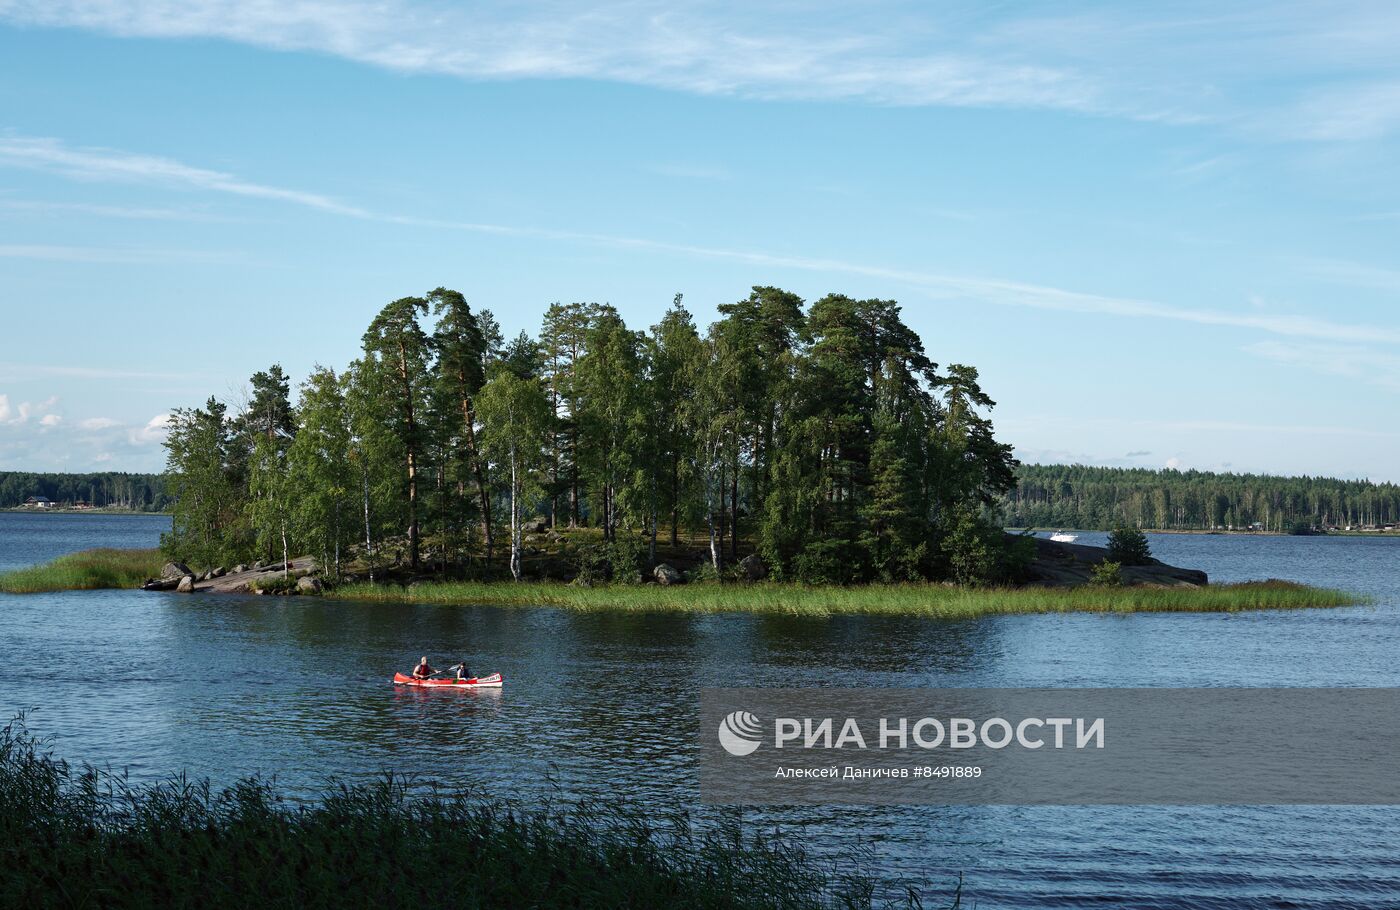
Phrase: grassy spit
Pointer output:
(84, 571)
(892, 600)
(88, 839)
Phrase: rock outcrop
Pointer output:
(754, 567)
(1064, 565)
(667, 575)
(175, 570)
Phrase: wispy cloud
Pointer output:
(108, 164)
(108, 255)
(707, 48)
(1356, 274)
(1353, 362)
(1118, 425)
(23, 372)
(1349, 113)
(1257, 65)
(117, 165)
(44, 207)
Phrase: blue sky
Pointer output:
(1165, 236)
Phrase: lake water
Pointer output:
(606, 705)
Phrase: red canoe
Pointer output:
(494, 681)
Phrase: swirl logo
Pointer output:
(739, 733)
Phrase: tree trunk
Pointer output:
(514, 518)
(675, 498)
(469, 418)
(734, 512)
(369, 544)
(412, 448)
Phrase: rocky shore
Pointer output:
(1067, 565)
(239, 579)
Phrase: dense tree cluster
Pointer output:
(1076, 496)
(821, 436)
(107, 489)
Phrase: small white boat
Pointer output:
(1064, 537)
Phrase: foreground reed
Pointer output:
(84, 571)
(930, 600)
(88, 839)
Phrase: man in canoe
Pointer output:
(423, 671)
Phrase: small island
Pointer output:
(790, 458)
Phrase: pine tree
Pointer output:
(398, 350)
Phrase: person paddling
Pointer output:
(462, 672)
(423, 671)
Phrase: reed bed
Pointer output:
(931, 600)
(84, 571)
(83, 838)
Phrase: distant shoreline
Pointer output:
(102, 510)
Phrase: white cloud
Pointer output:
(1173, 463)
(53, 443)
(154, 431)
(21, 412)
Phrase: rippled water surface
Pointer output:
(605, 704)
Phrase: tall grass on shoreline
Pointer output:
(84, 571)
(89, 839)
(929, 600)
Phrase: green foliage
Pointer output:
(101, 490)
(976, 551)
(824, 437)
(1300, 527)
(320, 473)
(208, 524)
(621, 560)
(1076, 496)
(83, 837)
(1128, 546)
(274, 584)
(515, 422)
(1107, 574)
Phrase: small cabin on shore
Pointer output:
(39, 502)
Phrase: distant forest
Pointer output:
(108, 489)
(1076, 496)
